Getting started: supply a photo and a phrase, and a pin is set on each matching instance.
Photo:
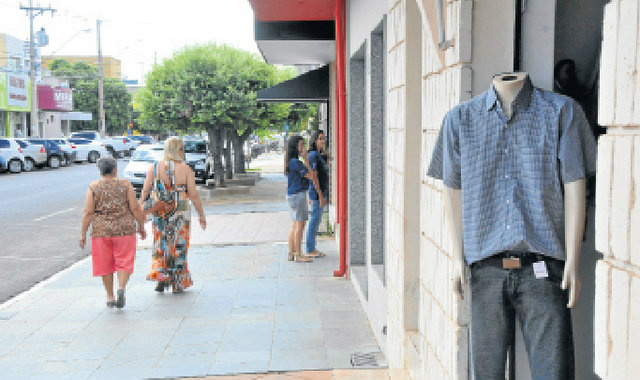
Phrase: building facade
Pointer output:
(405, 63)
(111, 67)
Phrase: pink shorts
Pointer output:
(111, 254)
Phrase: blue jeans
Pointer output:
(314, 223)
(498, 297)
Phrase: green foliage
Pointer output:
(83, 80)
(211, 85)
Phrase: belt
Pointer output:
(513, 260)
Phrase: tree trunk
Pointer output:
(238, 149)
(227, 154)
(215, 143)
(238, 153)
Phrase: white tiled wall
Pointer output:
(442, 337)
(617, 310)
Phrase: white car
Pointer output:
(141, 160)
(116, 146)
(89, 150)
(11, 153)
(34, 155)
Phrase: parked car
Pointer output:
(89, 150)
(140, 162)
(55, 154)
(116, 146)
(144, 139)
(68, 149)
(34, 155)
(195, 155)
(11, 153)
(129, 143)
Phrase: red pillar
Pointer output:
(342, 135)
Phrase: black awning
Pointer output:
(310, 87)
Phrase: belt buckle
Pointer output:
(511, 263)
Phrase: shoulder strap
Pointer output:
(173, 174)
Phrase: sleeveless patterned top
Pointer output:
(112, 216)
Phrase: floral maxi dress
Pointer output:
(171, 235)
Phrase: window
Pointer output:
(4, 143)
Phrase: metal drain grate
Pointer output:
(365, 359)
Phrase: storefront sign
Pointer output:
(55, 98)
(18, 90)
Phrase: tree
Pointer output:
(211, 87)
(83, 80)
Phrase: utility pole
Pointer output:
(101, 121)
(32, 64)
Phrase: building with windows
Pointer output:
(112, 67)
(395, 68)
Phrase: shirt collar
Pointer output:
(523, 99)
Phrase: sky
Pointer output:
(137, 32)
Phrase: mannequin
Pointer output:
(507, 87)
(513, 162)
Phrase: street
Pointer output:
(40, 218)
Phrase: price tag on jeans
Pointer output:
(540, 269)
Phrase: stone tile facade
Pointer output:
(436, 347)
(617, 311)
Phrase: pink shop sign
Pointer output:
(55, 98)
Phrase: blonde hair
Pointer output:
(172, 148)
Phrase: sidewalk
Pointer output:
(249, 311)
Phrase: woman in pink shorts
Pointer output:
(112, 210)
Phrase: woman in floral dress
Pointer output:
(173, 181)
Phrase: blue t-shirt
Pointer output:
(296, 182)
(317, 163)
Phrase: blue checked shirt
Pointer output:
(511, 171)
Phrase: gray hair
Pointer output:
(107, 165)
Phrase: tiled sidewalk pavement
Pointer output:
(340, 374)
(250, 310)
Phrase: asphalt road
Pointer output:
(40, 219)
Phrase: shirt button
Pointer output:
(508, 226)
(507, 201)
(506, 150)
(506, 176)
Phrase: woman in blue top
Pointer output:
(298, 175)
(318, 189)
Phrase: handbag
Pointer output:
(159, 203)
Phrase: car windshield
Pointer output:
(195, 147)
(150, 155)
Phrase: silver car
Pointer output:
(34, 155)
(11, 153)
(141, 160)
(88, 150)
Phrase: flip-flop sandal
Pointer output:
(316, 254)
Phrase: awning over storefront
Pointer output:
(300, 32)
(310, 87)
(79, 116)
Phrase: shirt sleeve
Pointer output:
(313, 160)
(301, 168)
(445, 159)
(577, 151)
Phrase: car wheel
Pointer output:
(15, 166)
(54, 162)
(28, 164)
(93, 157)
